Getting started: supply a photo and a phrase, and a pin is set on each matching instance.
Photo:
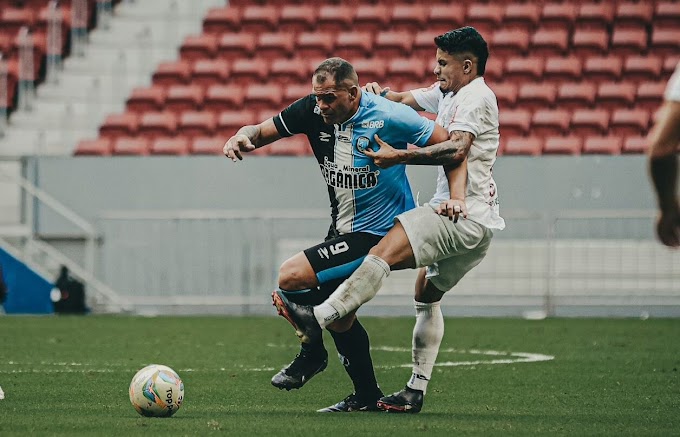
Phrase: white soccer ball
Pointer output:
(156, 391)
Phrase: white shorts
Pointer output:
(449, 250)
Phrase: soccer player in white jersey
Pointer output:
(424, 237)
(664, 144)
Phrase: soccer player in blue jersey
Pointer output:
(340, 122)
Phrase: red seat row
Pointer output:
(440, 16)
(573, 145)
(179, 145)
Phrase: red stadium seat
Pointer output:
(536, 95)
(586, 122)
(335, 18)
(96, 147)
(563, 145)
(221, 97)
(494, 69)
(259, 19)
(228, 122)
(523, 16)
(514, 122)
(198, 47)
(523, 146)
(509, 42)
(605, 68)
(172, 73)
(206, 72)
(550, 122)
(444, 17)
(670, 64)
(369, 70)
(506, 94)
(157, 124)
(293, 92)
(169, 146)
(650, 95)
(641, 68)
(286, 71)
(197, 123)
(571, 95)
(246, 71)
(484, 17)
(13, 19)
(118, 125)
(635, 144)
(353, 44)
(181, 98)
(629, 122)
(667, 14)
(559, 15)
(603, 145)
(371, 17)
(296, 145)
(550, 42)
(595, 16)
(314, 44)
(273, 45)
(393, 43)
(406, 70)
(409, 18)
(613, 95)
(263, 96)
(130, 146)
(146, 99)
(589, 42)
(563, 69)
(298, 18)
(423, 44)
(524, 69)
(665, 41)
(221, 20)
(635, 15)
(629, 41)
(207, 145)
(234, 46)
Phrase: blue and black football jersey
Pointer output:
(364, 197)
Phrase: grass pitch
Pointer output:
(70, 375)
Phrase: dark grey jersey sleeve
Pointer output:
(295, 119)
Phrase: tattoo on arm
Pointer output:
(253, 133)
(452, 151)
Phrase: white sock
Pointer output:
(358, 289)
(427, 336)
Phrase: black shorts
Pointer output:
(333, 261)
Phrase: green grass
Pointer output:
(70, 375)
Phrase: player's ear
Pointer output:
(467, 66)
(353, 92)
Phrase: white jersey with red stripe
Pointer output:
(472, 109)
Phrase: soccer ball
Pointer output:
(156, 391)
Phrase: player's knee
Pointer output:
(428, 294)
(342, 325)
(293, 276)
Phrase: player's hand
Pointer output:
(386, 155)
(236, 145)
(668, 228)
(375, 88)
(453, 208)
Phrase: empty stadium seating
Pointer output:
(571, 77)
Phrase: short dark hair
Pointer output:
(465, 40)
(339, 69)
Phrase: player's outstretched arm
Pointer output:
(438, 151)
(663, 164)
(249, 138)
(404, 97)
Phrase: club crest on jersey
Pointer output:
(362, 144)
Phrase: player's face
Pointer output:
(336, 102)
(450, 71)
